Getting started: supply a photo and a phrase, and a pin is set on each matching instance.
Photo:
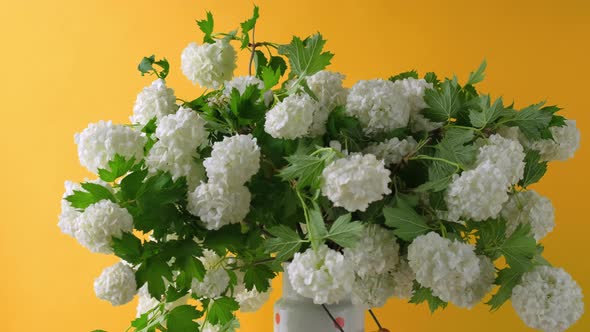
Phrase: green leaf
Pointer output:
(260, 62)
(182, 319)
(316, 230)
(422, 294)
(247, 105)
(193, 269)
(285, 243)
(520, 249)
(444, 103)
(247, 26)
(306, 169)
(533, 120)
(91, 193)
(507, 279)
(117, 167)
(345, 129)
(270, 77)
(128, 247)
(278, 63)
(146, 66)
(131, 183)
(345, 232)
(404, 75)
(491, 235)
(431, 77)
(534, 168)
(407, 223)
(435, 185)
(306, 56)
(153, 271)
(478, 75)
(258, 276)
(221, 310)
(485, 114)
(207, 27)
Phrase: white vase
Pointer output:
(295, 313)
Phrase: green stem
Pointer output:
(424, 157)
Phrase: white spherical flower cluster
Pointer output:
(234, 160)
(507, 154)
(145, 301)
(177, 162)
(156, 100)
(323, 275)
(116, 284)
(548, 299)
(209, 65)
(327, 87)
(249, 300)
(451, 269)
(373, 291)
(393, 150)
(67, 219)
(404, 280)
(100, 142)
(379, 105)
(528, 207)
(376, 252)
(216, 278)
(564, 144)
(218, 204)
(415, 90)
(99, 223)
(241, 83)
(292, 117)
(355, 181)
(477, 194)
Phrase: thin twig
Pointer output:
(253, 51)
(375, 319)
(332, 318)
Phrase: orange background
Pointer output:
(67, 63)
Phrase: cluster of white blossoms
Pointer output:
(292, 117)
(373, 291)
(376, 252)
(451, 269)
(155, 100)
(100, 142)
(323, 275)
(379, 105)
(116, 284)
(224, 199)
(393, 150)
(355, 181)
(241, 83)
(216, 278)
(506, 154)
(414, 90)
(548, 299)
(249, 300)
(209, 65)
(564, 144)
(327, 87)
(69, 214)
(528, 207)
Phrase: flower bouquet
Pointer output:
(412, 186)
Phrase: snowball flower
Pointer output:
(451, 269)
(67, 218)
(548, 299)
(99, 223)
(249, 300)
(415, 90)
(155, 100)
(241, 83)
(116, 284)
(372, 291)
(292, 117)
(506, 154)
(528, 207)
(376, 252)
(216, 278)
(564, 144)
(177, 161)
(327, 87)
(355, 181)
(218, 204)
(404, 280)
(477, 194)
(234, 160)
(323, 275)
(380, 105)
(209, 65)
(183, 130)
(100, 142)
(392, 151)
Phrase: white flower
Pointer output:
(372, 291)
(477, 194)
(67, 218)
(506, 154)
(419, 123)
(209, 65)
(228, 327)
(234, 160)
(241, 83)
(392, 151)
(323, 275)
(379, 105)
(528, 207)
(116, 284)
(177, 161)
(404, 280)
(216, 278)
(376, 252)
(155, 100)
(327, 87)
(564, 144)
(218, 204)
(292, 117)
(548, 299)
(99, 223)
(355, 181)
(414, 90)
(249, 300)
(183, 130)
(100, 142)
(451, 269)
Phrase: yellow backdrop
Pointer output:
(66, 63)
